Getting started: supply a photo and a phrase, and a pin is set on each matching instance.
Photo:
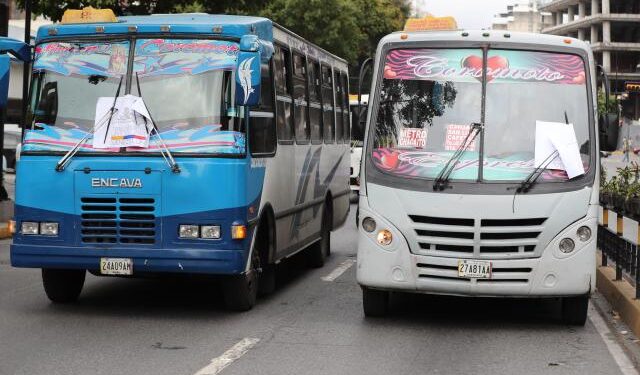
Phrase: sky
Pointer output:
(470, 14)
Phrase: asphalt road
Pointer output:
(309, 326)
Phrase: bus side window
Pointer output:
(284, 101)
(300, 99)
(337, 83)
(346, 128)
(315, 109)
(261, 130)
(328, 117)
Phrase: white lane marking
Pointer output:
(618, 354)
(339, 270)
(235, 352)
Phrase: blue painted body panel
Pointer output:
(214, 191)
(232, 26)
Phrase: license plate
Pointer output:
(116, 266)
(475, 269)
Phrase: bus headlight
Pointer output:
(566, 245)
(584, 233)
(189, 231)
(210, 232)
(49, 229)
(29, 228)
(384, 237)
(368, 224)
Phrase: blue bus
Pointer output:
(243, 162)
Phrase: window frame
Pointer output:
(288, 86)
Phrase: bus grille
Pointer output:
(110, 220)
(477, 237)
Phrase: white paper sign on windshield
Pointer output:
(552, 136)
(129, 126)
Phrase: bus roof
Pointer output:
(185, 23)
(484, 36)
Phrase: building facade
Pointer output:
(613, 29)
(524, 16)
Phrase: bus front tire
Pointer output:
(63, 286)
(240, 291)
(375, 302)
(574, 310)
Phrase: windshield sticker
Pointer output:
(455, 137)
(466, 65)
(106, 59)
(423, 164)
(208, 139)
(412, 138)
(179, 56)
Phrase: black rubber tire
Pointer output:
(375, 302)
(63, 286)
(319, 251)
(240, 291)
(574, 310)
(267, 284)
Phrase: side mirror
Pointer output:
(608, 123)
(248, 72)
(5, 68)
(608, 131)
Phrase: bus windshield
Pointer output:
(431, 97)
(186, 85)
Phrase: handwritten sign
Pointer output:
(128, 126)
(455, 136)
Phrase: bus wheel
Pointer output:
(240, 291)
(574, 310)
(320, 250)
(375, 302)
(267, 284)
(63, 286)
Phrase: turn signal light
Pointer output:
(12, 226)
(238, 232)
(384, 237)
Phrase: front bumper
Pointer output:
(550, 275)
(216, 261)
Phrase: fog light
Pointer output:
(49, 229)
(238, 232)
(189, 231)
(384, 237)
(567, 245)
(368, 224)
(584, 233)
(210, 231)
(29, 227)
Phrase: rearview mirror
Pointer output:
(248, 72)
(608, 123)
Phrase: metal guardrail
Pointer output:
(623, 252)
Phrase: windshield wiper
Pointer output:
(168, 158)
(106, 119)
(443, 177)
(531, 179)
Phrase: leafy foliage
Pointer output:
(347, 28)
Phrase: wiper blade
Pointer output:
(168, 157)
(531, 179)
(443, 177)
(106, 119)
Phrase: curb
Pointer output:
(620, 294)
(4, 231)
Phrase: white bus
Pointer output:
(480, 169)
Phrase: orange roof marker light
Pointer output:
(431, 23)
(88, 15)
